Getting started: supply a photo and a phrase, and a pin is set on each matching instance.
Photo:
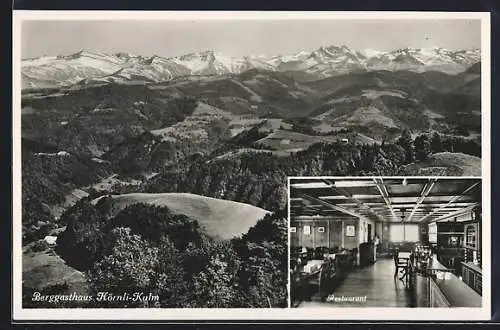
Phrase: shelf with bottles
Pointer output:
(471, 266)
(472, 244)
(473, 257)
(471, 236)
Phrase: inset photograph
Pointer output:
(385, 242)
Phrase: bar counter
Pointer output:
(451, 292)
(472, 274)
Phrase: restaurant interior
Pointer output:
(385, 242)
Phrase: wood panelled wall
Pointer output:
(334, 234)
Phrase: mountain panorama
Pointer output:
(88, 67)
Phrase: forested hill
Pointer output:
(259, 178)
(48, 177)
(149, 248)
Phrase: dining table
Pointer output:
(404, 255)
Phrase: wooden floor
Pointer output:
(376, 282)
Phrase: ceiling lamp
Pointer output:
(403, 211)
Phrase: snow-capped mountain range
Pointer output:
(86, 66)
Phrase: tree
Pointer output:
(405, 141)
(83, 241)
(263, 254)
(462, 130)
(271, 228)
(171, 281)
(422, 147)
(262, 279)
(153, 222)
(129, 267)
(134, 264)
(215, 286)
(436, 144)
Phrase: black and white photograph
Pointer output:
(386, 242)
(152, 150)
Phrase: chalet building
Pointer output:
(394, 242)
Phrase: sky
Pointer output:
(242, 37)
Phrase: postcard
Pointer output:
(251, 165)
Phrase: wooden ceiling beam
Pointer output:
(332, 206)
(385, 195)
(452, 200)
(346, 193)
(456, 213)
(423, 204)
(425, 191)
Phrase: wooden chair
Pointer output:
(401, 265)
(309, 254)
(319, 252)
(411, 273)
(326, 279)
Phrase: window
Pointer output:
(433, 233)
(321, 229)
(307, 230)
(404, 232)
(293, 229)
